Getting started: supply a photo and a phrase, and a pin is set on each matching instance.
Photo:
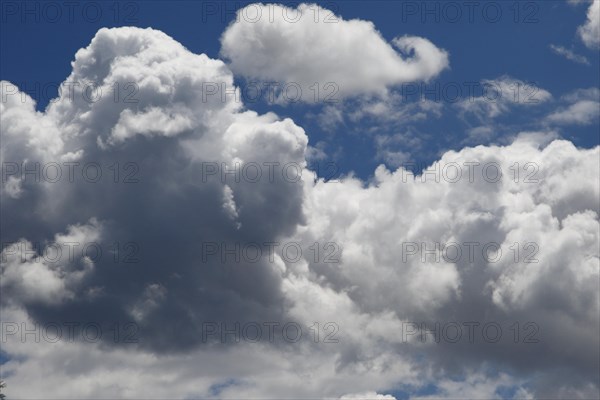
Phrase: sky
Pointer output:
(360, 173)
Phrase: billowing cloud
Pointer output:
(123, 163)
(392, 229)
(311, 45)
(370, 271)
(51, 274)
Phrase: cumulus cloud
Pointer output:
(309, 44)
(155, 147)
(374, 223)
(364, 282)
(48, 275)
(590, 31)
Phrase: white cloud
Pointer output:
(569, 54)
(584, 112)
(590, 31)
(351, 54)
(394, 110)
(480, 134)
(51, 273)
(477, 386)
(500, 95)
(369, 292)
(377, 113)
(557, 211)
(168, 134)
(367, 395)
(395, 150)
(584, 108)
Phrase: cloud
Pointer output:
(376, 113)
(353, 276)
(367, 395)
(479, 386)
(583, 110)
(480, 134)
(50, 275)
(569, 54)
(394, 149)
(394, 110)
(310, 44)
(590, 31)
(255, 370)
(500, 95)
(163, 140)
(556, 212)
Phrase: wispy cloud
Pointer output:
(569, 54)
